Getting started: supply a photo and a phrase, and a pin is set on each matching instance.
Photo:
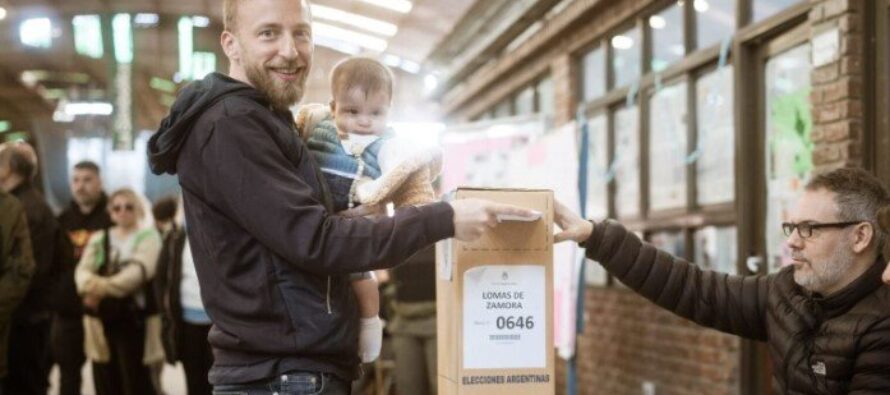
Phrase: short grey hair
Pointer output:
(859, 197)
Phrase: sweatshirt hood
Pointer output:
(165, 145)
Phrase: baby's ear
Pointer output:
(333, 107)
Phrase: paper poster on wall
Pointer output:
(551, 162)
(477, 154)
(504, 322)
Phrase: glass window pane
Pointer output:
(525, 101)
(627, 161)
(716, 137)
(716, 249)
(789, 146)
(593, 73)
(766, 8)
(546, 96)
(597, 168)
(627, 54)
(715, 19)
(671, 242)
(667, 37)
(668, 148)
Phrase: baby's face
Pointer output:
(355, 112)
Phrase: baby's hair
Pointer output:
(367, 74)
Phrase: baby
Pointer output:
(365, 167)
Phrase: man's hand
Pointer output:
(473, 216)
(573, 226)
(91, 302)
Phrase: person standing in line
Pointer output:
(29, 337)
(185, 322)
(16, 270)
(121, 326)
(86, 214)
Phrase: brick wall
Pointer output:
(628, 340)
(838, 87)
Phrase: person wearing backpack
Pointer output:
(121, 325)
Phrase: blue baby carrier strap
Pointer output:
(331, 157)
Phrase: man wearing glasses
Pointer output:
(826, 316)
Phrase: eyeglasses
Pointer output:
(805, 229)
(120, 207)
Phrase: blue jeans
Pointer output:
(296, 383)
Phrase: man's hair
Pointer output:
(21, 159)
(165, 208)
(859, 196)
(367, 74)
(88, 165)
(230, 13)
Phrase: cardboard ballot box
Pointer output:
(494, 300)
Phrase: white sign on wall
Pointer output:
(826, 47)
(504, 322)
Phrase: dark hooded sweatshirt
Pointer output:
(79, 227)
(272, 262)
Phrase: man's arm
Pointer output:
(733, 304)
(871, 371)
(253, 183)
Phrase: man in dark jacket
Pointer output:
(16, 269)
(825, 316)
(86, 214)
(272, 263)
(29, 338)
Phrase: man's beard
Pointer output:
(281, 94)
(85, 199)
(831, 271)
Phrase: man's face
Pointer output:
(272, 47)
(360, 112)
(86, 187)
(822, 260)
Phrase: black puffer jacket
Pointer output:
(834, 345)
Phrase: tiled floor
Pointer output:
(172, 380)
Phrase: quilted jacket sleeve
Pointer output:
(732, 304)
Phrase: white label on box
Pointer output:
(504, 322)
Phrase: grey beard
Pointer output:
(832, 271)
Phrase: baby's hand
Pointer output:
(370, 339)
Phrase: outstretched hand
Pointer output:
(473, 216)
(573, 227)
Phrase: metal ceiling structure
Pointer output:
(34, 80)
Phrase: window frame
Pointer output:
(697, 62)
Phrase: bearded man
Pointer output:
(826, 316)
(272, 264)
